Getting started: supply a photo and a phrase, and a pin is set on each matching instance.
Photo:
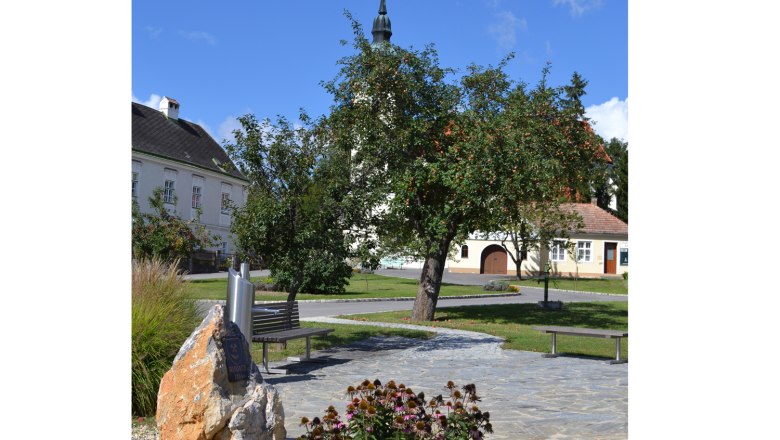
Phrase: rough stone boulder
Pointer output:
(197, 401)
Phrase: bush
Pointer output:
(497, 286)
(625, 276)
(321, 275)
(395, 412)
(162, 319)
(514, 288)
(267, 285)
(160, 234)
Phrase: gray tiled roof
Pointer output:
(179, 140)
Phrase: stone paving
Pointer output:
(529, 397)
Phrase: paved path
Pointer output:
(528, 396)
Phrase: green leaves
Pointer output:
(296, 211)
(163, 235)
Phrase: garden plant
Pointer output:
(162, 319)
(376, 411)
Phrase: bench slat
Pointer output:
(285, 336)
(577, 331)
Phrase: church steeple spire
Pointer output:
(381, 30)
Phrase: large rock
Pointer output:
(197, 401)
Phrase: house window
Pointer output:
(226, 190)
(169, 194)
(464, 251)
(558, 250)
(135, 185)
(226, 203)
(169, 191)
(136, 175)
(584, 253)
(196, 194)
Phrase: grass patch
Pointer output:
(513, 323)
(344, 334)
(614, 286)
(360, 286)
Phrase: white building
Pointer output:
(183, 159)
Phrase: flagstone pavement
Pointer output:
(528, 397)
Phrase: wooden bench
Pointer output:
(617, 335)
(280, 327)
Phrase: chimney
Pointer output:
(170, 108)
(594, 201)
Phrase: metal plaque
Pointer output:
(236, 358)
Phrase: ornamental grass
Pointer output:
(162, 319)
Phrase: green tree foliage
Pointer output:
(611, 180)
(448, 152)
(294, 216)
(618, 150)
(162, 235)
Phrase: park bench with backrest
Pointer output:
(280, 327)
(617, 335)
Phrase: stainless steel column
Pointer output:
(240, 300)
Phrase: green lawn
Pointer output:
(513, 323)
(360, 286)
(616, 286)
(345, 334)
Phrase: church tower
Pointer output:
(381, 30)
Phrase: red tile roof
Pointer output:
(597, 220)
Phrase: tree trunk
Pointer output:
(430, 284)
(519, 268)
(295, 285)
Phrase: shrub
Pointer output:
(625, 276)
(160, 234)
(162, 319)
(394, 412)
(498, 286)
(514, 288)
(267, 285)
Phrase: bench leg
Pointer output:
(308, 357)
(265, 362)
(554, 348)
(617, 353)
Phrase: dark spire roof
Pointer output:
(381, 30)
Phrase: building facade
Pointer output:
(195, 173)
(599, 248)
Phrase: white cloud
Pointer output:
(578, 7)
(610, 119)
(199, 36)
(153, 31)
(153, 101)
(504, 30)
(548, 48)
(225, 130)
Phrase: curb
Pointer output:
(498, 295)
(577, 291)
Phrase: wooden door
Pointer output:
(610, 257)
(494, 260)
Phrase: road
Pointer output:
(528, 295)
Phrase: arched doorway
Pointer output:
(493, 260)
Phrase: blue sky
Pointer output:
(224, 59)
